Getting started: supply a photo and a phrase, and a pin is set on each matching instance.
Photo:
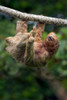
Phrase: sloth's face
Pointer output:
(51, 39)
(51, 42)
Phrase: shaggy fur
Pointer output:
(28, 48)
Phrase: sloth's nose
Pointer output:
(50, 38)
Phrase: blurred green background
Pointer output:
(16, 81)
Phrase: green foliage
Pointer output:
(17, 81)
(6, 29)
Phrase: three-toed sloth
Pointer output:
(28, 48)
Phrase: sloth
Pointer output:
(28, 48)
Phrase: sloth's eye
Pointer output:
(50, 38)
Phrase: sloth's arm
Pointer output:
(39, 31)
(21, 26)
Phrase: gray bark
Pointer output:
(32, 17)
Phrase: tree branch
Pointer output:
(32, 17)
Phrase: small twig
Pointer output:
(32, 17)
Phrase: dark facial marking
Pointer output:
(50, 38)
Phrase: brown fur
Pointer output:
(28, 48)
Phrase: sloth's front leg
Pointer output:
(21, 34)
(21, 29)
(20, 46)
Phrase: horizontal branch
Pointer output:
(32, 17)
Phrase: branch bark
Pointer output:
(32, 17)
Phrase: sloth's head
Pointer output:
(51, 43)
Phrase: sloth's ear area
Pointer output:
(21, 26)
